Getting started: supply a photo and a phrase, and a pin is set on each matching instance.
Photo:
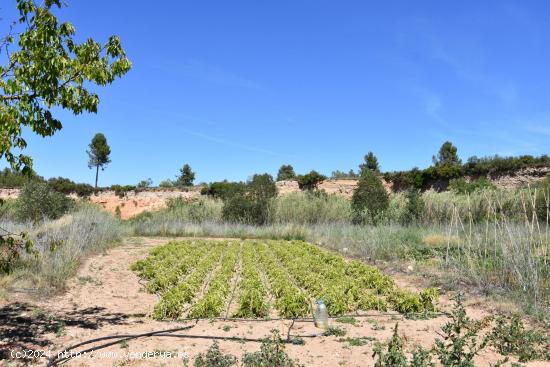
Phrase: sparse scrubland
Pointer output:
(473, 236)
(497, 240)
(62, 232)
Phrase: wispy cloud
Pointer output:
(464, 55)
(233, 144)
(504, 90)
(209, 73)
(431, 103)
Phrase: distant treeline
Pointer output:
(446, 169)
(13, 179)
(475, 168)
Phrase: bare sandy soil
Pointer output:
(106, 298)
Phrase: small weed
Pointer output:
(334, 330)
(426, 315)
(460, 338)
(60, 329)
(511, 338)
(215, 358)
(39, 313)
(376, 325)
(88, 279)
(394, 355)
(357, 342)
(124, 344)
(226, 328)
(272, 353)
(347, 320)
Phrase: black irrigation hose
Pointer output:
(53, 361)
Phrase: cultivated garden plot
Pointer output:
(257, 279)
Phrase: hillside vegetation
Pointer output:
(493, 239)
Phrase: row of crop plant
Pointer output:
(194, 278)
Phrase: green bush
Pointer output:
(444, 170)
(498, 165)
(460, 343)
(122, 190)
(511, 337)
(286, 172)
(37, 201)
(272, 354)
(143, 184)
(223, 189)
(166, 183)
(310, 180)
(66, 186)
(11, 178)
(370, 199)
(414, 209)
(215, 358)
(394, 356)
(251, 206)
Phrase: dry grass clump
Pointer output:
(59, 246)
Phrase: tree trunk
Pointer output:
(96, 174)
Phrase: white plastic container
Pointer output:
(321, 315)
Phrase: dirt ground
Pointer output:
(106, 298)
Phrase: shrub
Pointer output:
(166, 183)
(310, 180)
(286, 172)
(512, 338)
(143, 184)
(223, 190)
(252, 205)
(11, 178)
(498, 165)
(370, 199)
(460, 338)
(272, 353)
(11, 248)
(122, 190)
(66, 186)
(394, 356)
(414, 209)
(38, 201)
(215, 358)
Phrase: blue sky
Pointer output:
(240, 87)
